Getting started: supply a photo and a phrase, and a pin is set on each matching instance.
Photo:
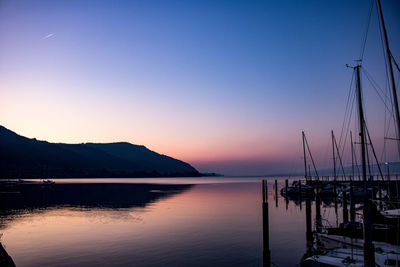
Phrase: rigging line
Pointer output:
(373, 151)
(326, 154)
(346, 110)
(375, 84)
(366, 31)
(387, 74)
(385, 130)
(340, 158)
(398, 78)
(376, 90)
(394, 60)
(351, 100)
(348, 124)
(392, 113)
(347, 131)
(373, 81)
(368, 163)
(312, 160)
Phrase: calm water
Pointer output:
(151, 222)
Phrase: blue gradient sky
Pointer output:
(224, 85)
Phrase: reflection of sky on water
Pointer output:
(209, 224)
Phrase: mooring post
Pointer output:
(309, 235)
(266, 250)
(334, 189)
(300, 197)
(336, 203)
(352, 204)
(300, 187)
(380, 194)
(345, 210)
(318, 218)
(276, 193)
(379, 190)
(369, 248)
(286, 188)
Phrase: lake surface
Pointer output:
(151, 222)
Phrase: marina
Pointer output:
(200, 133)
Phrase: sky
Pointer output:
(226, 86)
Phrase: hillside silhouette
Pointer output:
(22, 157)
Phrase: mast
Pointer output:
(390, 68)
(352, 155)
(362, 128)
(369, 251)
(334, 158)
(304, 154)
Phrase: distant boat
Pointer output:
(47, 183)
(296, 189)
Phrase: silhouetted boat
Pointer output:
(297, 189)
(351, 257)
(48, 182)
(327, 190)
(394, 214)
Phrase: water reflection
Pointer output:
(203, 224)
(191, 226)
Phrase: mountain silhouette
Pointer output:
(22, 157)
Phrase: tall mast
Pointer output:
(334, 158)
(390, 68)
(304, 154)
(362, 128)
(369, 251)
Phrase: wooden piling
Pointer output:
(309, 235)
(345, 210)
(300, 199)
(318, 218)
(276, 193)
(286, 184)
(380, 194)
(286, 188)
(266, 250)
(352, 204)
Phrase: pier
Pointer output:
(359, 208)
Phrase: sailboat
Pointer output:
(369, 253)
